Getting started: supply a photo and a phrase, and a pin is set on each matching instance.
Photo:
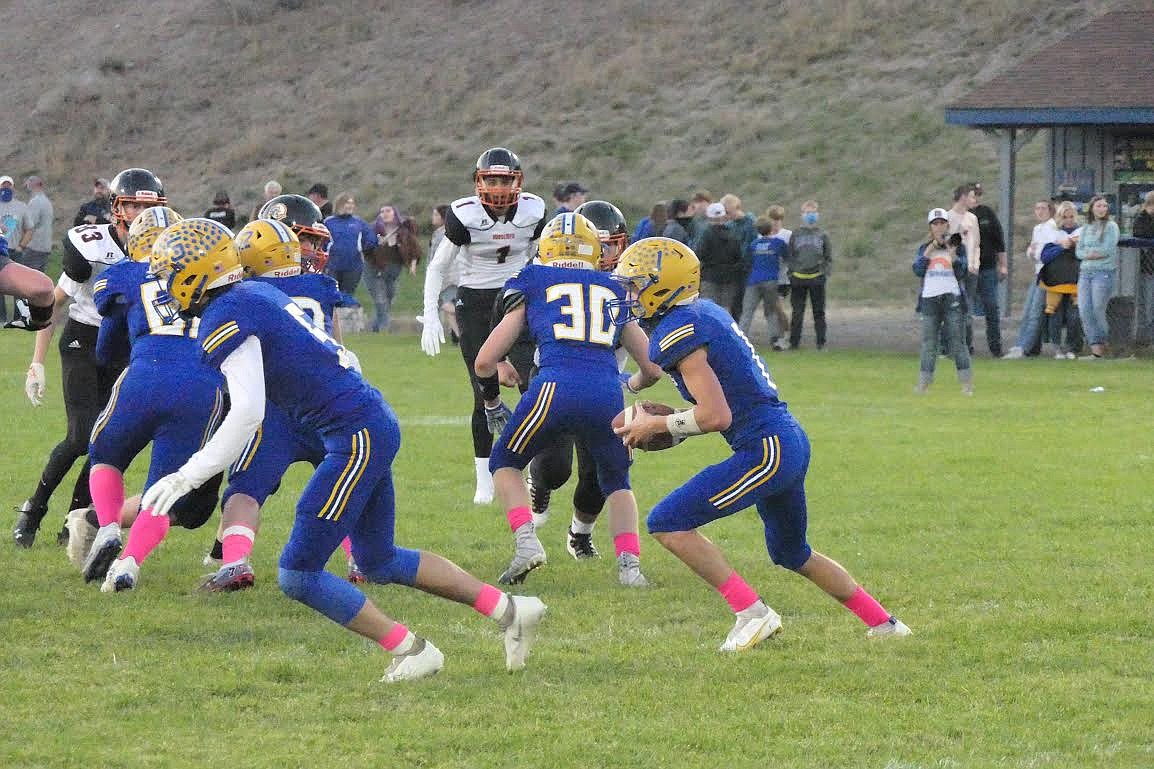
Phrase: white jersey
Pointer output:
(492, 250)
(98, 245)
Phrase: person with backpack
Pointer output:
(723, 267)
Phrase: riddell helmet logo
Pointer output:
(277, 211)
(147, 195)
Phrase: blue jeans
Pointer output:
(982, 289)
(1094, 289)
(382, 285)
(1030, 331)
(943, 315)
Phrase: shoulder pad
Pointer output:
(530, 210)
(96, 244)
(470, 213)
(511, 299)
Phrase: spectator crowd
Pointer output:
(748, 263)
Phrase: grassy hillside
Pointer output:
(776, 101)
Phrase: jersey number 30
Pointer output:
(588, 320)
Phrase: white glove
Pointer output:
(165, 493)
(433, 335)
(352, 361)
(34, 384)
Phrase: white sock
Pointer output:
(484, 477)
(498, 613)
(406, 646)
(579, 527)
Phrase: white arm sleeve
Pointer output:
(435, 274)
(244, 371)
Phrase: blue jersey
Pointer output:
(745, 380)
(317, 294)
(126, 294)
(567, 315)
(766, 255)
(306, 372)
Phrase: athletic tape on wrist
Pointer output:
(682, 424)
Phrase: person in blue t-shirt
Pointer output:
(564, 301)
(142, 409)
(268, 348)
(765, 254)
(716, 368)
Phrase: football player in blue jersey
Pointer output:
(269, 350)
(270, 252)
(577, 389)
(87, 382)
(550, 470)
(142, 409)
(716, 368)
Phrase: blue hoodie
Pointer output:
(352, 237)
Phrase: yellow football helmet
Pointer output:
(146, 228)
(569, 240)
(657, 273)
(267, 247)
(191, 258)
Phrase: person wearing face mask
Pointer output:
(352, 239)
(809, 257)
(13, 222)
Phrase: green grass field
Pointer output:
(1010, 530)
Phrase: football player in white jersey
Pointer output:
(88, 250)
(490, 235)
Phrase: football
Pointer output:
(658, 442)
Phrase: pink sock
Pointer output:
(395, 637)
(107, 487)
(236, 543)
(146, 533)
(347, 546)
(867, 608)
(737, 592)
(627, 542)
(518, 517)
(488, 600)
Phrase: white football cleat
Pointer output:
(891, 628)
(527, 614)
(104, 550)
(122, 575)
(528, 554)
(411, 667)
(629, 571)
(81, 535)
(753, 626)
